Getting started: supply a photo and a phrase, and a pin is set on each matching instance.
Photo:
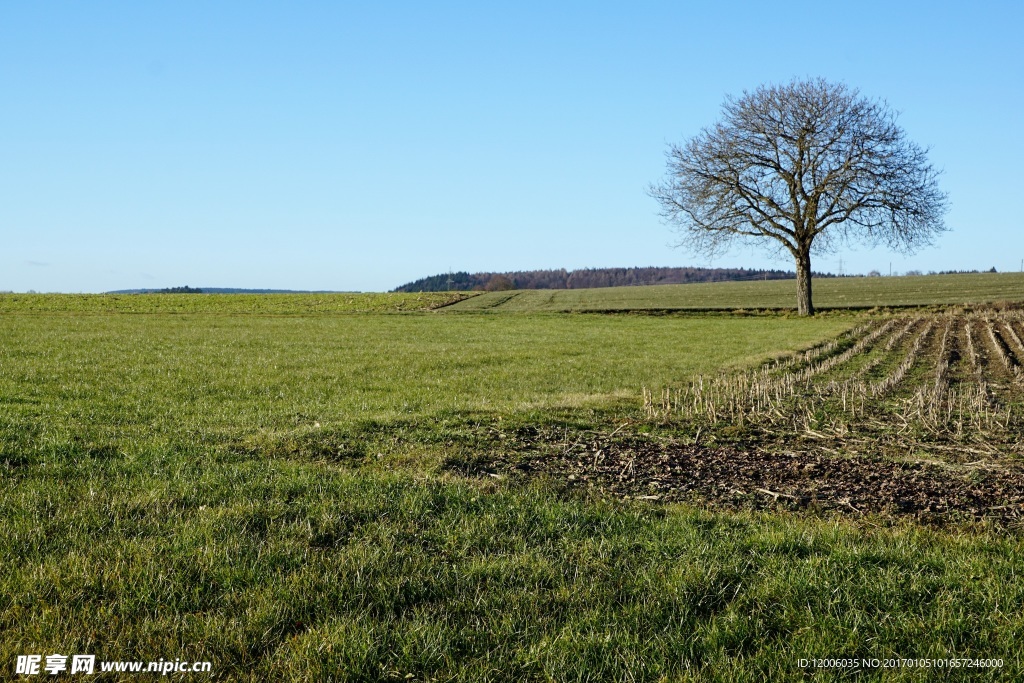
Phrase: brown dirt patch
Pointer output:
(751, 478)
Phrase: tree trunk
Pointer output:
(803, 283)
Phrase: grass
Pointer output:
(268, 492)
(123, 380)
(227, 304)
(278, 570)
(859, 292)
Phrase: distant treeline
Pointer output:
(588, 278)
(180, 290)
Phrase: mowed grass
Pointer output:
(264, 492)
(858, 292)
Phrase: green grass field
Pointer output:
(861, 292)
(264, 485)
(226, 304)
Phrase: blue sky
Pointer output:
(358, 146)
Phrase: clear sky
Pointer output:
(356, 146)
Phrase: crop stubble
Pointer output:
(906, 416)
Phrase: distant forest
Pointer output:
(588, 277)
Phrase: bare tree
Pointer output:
(805, 167)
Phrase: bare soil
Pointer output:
(754, 478)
